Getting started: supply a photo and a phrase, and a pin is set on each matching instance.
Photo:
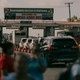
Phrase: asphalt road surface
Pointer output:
(53, 72)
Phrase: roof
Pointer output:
(67, 23)
(57, 37)
(40, 23)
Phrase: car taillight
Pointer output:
(51, 48)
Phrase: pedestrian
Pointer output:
(1, 51)
(8, 51)
(75, 71)
(1, 62)
(20, 68)
(41, 41)
(72, 73)
(65, 75)
(37, 64)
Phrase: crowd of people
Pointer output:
(21, 66)
(29, 66)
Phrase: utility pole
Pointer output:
(69, 5)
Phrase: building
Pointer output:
(41, 28)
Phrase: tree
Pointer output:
(74, 19)
(79, 20)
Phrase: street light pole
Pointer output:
(69, 5)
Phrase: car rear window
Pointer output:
(24, 40)
(64, 42)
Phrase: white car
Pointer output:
(30, 42)
(21, 44)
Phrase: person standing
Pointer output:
(20, 68)
(37, 64)
(8, 51)
(1, 62)
(75, 71)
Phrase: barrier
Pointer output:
(23, 50)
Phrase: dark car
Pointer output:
(60, 49)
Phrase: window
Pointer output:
(30, 40)
(24, 40)
(64, 42)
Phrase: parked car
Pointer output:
(30, 42)
(41, 41)
(60, 49)
(23, 40)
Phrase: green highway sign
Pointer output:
(29, 13)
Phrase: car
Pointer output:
(60, 49)
(21, 44)
(30, 42)
(40, 40)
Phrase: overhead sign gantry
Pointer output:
(29, 13)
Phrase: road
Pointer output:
(54, 72)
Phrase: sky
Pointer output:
(60, 9)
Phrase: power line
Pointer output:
(69, 5)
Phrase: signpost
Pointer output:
(29, 13)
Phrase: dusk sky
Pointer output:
(60, 9)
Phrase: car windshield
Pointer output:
(35, 41)
(24, 40)
(30, 40)
(64, 42)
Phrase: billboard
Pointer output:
(28, 13)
